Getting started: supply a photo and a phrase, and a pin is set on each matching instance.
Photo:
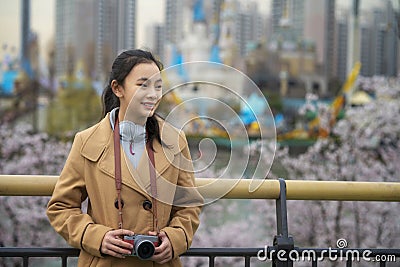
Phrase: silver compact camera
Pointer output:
(143, 245)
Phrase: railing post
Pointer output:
(282, 241)
(64, 261)
(25, 261)
(211, 261)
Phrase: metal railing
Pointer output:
(282, 253)
(43, 185)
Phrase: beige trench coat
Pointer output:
(89, 173)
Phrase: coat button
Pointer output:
(116, 204)
(147, 205)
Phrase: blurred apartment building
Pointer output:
(310, 37)
(155, 39)
(341, 43)
(251, 28)
(90, 33)
(287, 20)
(159, 37)
(311, 28)
(379, 42)
(232, 26)
(302, 41)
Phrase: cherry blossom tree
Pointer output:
(364, 146)
(23, 220)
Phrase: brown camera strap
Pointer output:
(153, 185)
(117, 164)
(118, 179)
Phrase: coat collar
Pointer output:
(99, 146)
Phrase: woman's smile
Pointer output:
(149, 105)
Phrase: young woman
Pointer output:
(126, 196)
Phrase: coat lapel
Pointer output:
(100, 147)
(164, 155)
(163, 158)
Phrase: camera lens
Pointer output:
(144, 249)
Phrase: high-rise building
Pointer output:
(319, 27)
(329, 37)
(126, 24)
(391, 41)
(174, 30)
(89, 34)
(366, 52)
(249, 28)
(174, 21)
(155, 38)
(287, 20)
(378, 37)
(213, 16)
(227, 41)
(65, 38)
(379, 42)
(341, 43)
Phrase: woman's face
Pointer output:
(142, 91)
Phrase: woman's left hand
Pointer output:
(163, 252)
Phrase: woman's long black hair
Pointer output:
(121, 67)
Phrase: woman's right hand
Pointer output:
(113, 244)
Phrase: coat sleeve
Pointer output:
(184, 219)
(64, 209)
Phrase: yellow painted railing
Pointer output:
(41, 185)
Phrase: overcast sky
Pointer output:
(43, 20)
